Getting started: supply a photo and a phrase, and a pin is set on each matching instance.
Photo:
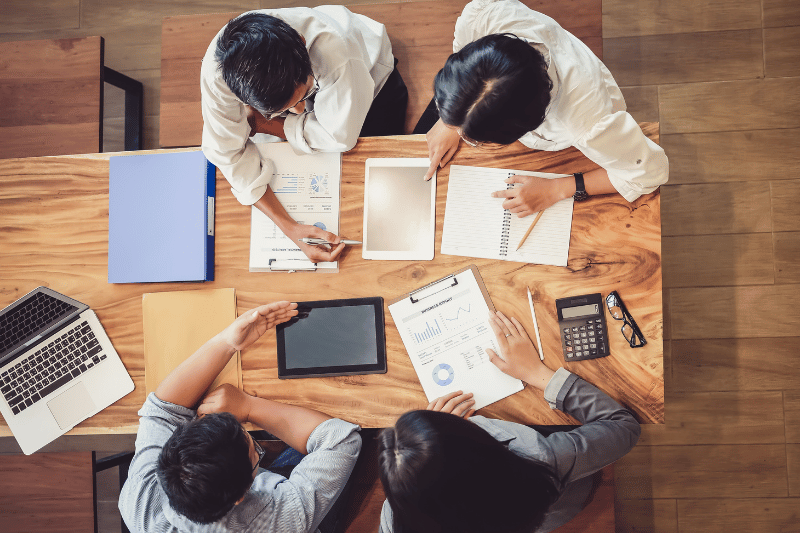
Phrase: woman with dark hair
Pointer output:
(515, 74)
(444, 470)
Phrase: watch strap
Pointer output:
(580, 189)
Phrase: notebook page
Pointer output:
(548, 243)
(476, 220)
(473, 220)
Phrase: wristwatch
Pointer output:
(580, 190)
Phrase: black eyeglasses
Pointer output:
(260, 451)
(311, 92)
(630, 330)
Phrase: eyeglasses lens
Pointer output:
(616, 312)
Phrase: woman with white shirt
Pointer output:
(515, 74)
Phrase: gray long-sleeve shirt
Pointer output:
(273, 504)
(608, 432)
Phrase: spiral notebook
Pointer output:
(476, 225)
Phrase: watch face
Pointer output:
(580, 196)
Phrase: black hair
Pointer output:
(205, 467)
(495, 89)
(263, 60)
(442, 473)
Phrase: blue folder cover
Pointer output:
(160, 218)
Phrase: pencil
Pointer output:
(535, 325)
(535, 220)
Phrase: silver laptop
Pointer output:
(57, 367)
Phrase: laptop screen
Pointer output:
(30, 317)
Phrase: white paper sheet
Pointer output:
(446, 334)
(308, 188)
(473, 220)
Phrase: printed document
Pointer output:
(307, 186)
(445, 329)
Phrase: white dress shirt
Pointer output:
(351, 58)
(586, 108)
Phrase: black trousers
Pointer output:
(387, 114)
(428, 118)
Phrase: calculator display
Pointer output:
(582, 310)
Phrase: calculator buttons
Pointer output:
(583, 335)
(582, 328)
(567, 337)
(575, 329)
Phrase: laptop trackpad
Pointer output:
(71, 406)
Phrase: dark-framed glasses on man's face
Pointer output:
(260, 451)
(630, 330)
(314, 89)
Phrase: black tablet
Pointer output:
(333, 338)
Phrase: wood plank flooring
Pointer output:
(723, 78)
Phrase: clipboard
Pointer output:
(450, 281)
(445, 329)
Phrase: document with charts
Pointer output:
(476, 225)
(445, 329)
(307, 186)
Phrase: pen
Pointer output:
(535, 220)
(316, 242)
(535, 325)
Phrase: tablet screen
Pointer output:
(336, 337)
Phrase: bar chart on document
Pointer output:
(446, 335)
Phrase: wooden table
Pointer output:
(421, 35)
(52, 98)
(54, 220)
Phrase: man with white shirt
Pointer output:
(317, 77)
(515, 74)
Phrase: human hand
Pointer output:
(246, 329)
(442, 144)
(316, 253)
(227, 399)
(534, 193)
(518, 358)
(456, 403)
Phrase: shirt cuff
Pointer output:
(558, 387)
(293, 128)
(256, 189)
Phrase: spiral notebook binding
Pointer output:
(506, 225)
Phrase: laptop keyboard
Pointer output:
(55, 364)
(29, 319)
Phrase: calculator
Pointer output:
(583, 327)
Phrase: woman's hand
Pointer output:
(534, 193)
(246, 329)
(456, 403)
(227, 399)
(517, 358)
(442, 144)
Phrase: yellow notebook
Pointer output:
(176, 324)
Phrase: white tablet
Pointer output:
(399, 209)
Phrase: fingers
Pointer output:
(516, 178)
(496, 360)
(499, 332)
(456, 402)
(448, 156)
(434, 165)
(508, 326)
(505, 193)
(520, 328)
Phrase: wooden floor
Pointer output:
(723, 78)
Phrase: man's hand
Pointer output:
(227, 399)
(457, 403)
(319, 253)
(246, 329)
(442, 144)
(534, 193)
(518, 357)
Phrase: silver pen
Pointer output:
(317, 242)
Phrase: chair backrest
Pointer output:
(421, 35)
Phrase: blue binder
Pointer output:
(161, 218)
